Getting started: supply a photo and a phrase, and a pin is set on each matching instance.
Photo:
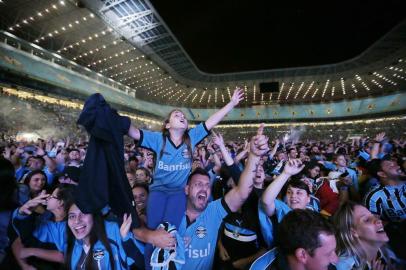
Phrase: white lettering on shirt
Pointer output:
(173, 167)
(198, 253)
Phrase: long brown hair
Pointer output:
(165, 134)
(97, 233)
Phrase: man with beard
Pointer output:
(388, 199)
(202, 220)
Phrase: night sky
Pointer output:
(234, 36)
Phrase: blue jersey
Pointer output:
(389, 202)
(20, 172)
(314, 203)
(201, 236)
(267, 223)
(55, 232)
(172, 169)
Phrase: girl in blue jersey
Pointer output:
(87, 241)
(173, 148)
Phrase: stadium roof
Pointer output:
(159, 49)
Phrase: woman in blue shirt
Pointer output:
(87, 240)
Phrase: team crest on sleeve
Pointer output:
(201, 232)
(98, 254)
(185, 153)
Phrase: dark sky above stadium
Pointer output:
(234, 36)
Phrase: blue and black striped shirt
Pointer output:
(388, 201)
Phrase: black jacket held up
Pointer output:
(103, 180)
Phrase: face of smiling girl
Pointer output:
(79, 223)
(368, 227)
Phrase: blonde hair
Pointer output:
(347, 244)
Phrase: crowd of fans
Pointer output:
(262, 203)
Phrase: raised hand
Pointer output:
(125, 226)
(218, 139)
(209, 147)
(246, 145)
(40, 151)
(259, 143)
(48, 145)
(293, 166)
(20, 150)
(400, 143)
(380, 137)
(238, 95)
(28, 207)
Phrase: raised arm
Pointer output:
(49, 162)
(213, 120)
(377, 143)
(274, 149)
(258, 147)
(29, 206)
(218, 139)
(292, 167)
(214, 157)
(240, 156)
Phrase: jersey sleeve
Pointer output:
(151, 140)
(267, 223)
(374, 202)
(329, 165)
(266, 226)
(46, 231)
(198, 133)
(354, 178)
(130, 250)
(218, 210)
